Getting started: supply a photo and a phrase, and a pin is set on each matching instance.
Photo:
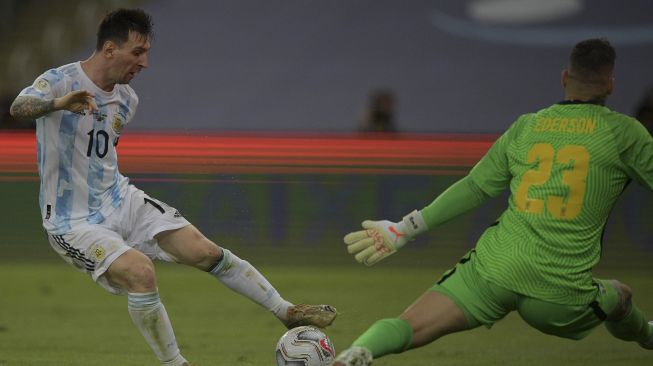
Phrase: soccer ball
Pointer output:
(304, 346)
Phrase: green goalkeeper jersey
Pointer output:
(565, 165)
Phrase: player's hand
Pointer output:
(78, 101)
(379, 240)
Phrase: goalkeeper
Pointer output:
(565, 166)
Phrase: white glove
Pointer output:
(383, 238)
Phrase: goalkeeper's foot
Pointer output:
(320, 316)
(648, 344)
(354, 356)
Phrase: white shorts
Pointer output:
(92, 248)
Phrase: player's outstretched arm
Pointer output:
(379, 239)
(31, 107)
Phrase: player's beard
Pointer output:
(127, 78)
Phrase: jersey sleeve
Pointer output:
(492, 173)
(51, 84)
(459, 198)
(635, 146)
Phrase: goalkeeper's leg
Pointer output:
(627, 322)
(187, 245)
(432, 316)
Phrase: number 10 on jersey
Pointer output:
(101, 142)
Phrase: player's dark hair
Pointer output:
(117, 24)
(592, 60)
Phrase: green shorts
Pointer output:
(484, 303)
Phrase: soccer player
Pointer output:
(565, 166)
(100, 223)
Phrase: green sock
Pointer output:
(386, 336)
(633, 327)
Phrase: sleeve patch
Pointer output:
(43, 86)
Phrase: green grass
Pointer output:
(52, 315)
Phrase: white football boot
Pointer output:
(320, 316)
(354, 356)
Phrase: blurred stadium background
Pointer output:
(251, 117)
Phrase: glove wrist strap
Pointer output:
(414, 224)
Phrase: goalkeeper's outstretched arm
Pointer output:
(461, 197)
(383, 238)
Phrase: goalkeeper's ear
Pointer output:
(414, 223)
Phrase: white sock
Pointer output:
(150, 317)
(240, 276)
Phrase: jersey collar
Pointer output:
(591, 101)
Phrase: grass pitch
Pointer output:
(52, 315)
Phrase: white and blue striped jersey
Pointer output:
(76, 154)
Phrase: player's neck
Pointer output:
(571, 96)
(98, 73)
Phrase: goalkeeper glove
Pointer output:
(383, 238)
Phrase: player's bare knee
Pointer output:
(625, 301)
(141, 277)
(211, 254)
(204, 256)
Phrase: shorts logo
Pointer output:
(98, 253)
(43, 86)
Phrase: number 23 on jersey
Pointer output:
(562, 207)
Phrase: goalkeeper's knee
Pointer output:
(625, 301)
